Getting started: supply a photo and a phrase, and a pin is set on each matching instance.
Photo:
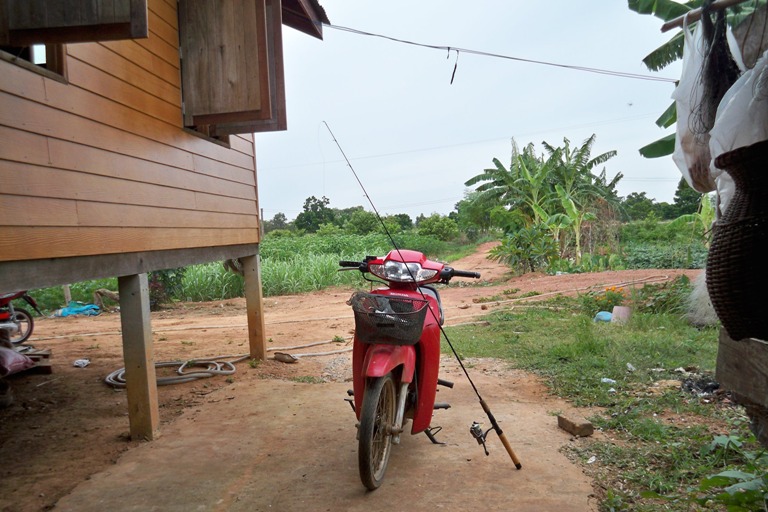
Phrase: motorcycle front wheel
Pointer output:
(24, 322)
(377, 417)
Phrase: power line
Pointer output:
(469, 143)
(620, 74)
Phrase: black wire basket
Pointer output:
(388, 320)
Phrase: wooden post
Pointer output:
(67, 294)
(141, 382)
(254, 304)
(742, 369)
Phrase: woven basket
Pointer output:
(388, 320)
(737, 274)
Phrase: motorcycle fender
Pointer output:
(382, 359)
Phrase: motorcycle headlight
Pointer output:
(400, 272)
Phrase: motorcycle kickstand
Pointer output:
(431, 431)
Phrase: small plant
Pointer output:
(254, 363)
(307, 379)
(526, 250)
(230, 380)
(338, 339)
(187, 342)
(669, 297)
(592, 302)
(93, 347)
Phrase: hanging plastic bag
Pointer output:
(742, 120)
(691, 152)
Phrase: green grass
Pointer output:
(652, 463)
(290, 265)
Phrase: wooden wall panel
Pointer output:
(121, 92)
(215, 178)
(127, 71)
(34, 181)
(101, 164)
(171, 147)
(37, 211)
(146, 59)
(53, 242)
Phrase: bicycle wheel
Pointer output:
(24, 322)
(377, 416)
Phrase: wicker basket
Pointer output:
(737, 276)
(388, 320)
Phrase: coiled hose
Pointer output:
(211, 367)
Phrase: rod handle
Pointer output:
(501, 434)
(510, 451)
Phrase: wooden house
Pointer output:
(127, 146)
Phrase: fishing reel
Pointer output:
(477, 432)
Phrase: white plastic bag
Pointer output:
(691, 152)
(742, 120)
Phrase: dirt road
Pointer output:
(278, 436)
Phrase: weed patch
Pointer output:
(664, 447)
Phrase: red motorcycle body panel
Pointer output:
(8, 297)
(376, 360)
(382, 359)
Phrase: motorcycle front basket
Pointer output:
(388, 320)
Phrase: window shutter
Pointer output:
(231, 65)
(28, 22)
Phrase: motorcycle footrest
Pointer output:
(442, 405)
(446, 383)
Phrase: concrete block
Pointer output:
(575, 425)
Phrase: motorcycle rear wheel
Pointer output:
(25, 323)
(377, 417)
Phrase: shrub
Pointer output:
(649, 255)
(437, 226)
(592, 302)
(528, 249)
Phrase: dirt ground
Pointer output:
(64, 441)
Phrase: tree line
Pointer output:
(558, 204)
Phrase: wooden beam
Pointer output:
(32, 274)
(742, 367)
(695, 14)
(254, 304)
(138, 353)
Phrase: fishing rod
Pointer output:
(475, 429)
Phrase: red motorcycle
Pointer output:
(396, 354)
(18, 320)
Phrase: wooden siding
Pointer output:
(101, 164)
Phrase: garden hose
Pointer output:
(211, 366)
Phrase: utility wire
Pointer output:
(449, 49)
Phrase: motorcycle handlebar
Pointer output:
(465, 273)
(349, 264)
(449, 272)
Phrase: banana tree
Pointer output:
(672, 50)
(576, 218)
(522, 187)
(702, 220)
(555, 223)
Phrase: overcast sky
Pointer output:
(414, 138)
